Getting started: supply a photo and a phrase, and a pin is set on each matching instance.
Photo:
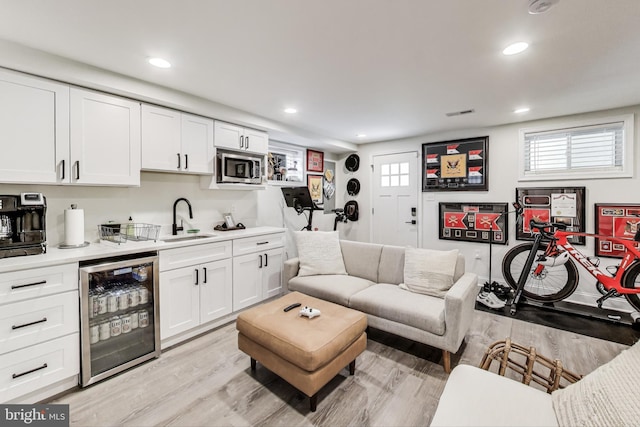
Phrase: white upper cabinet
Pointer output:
(238, 138)
(104, 139)
(176, 142)
(34, 129)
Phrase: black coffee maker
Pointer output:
(22, 225)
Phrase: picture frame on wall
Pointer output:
(552, 204)
(619, 220)
(456, 165)
(315, 183)
(315, 161)
(474, 222)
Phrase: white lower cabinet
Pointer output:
(39, 333)
(256, 277)
(196, 292)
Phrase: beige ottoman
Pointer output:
(307, 353)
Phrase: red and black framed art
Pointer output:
(315, 161)
(474, 222)
(620, 220)
(457, 165)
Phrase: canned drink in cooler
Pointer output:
(104, 330)
(134, 296)
(102, 302)
(144, 295)
(116, 326)
(123, 299)
(143, 318)
(134, 320)
(112, 302)
(94, 333)
(126, 323)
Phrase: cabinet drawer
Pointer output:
(192, 255)
(38, 282)
(259, 243)
(32, 368)
(34, 321)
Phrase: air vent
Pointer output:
(460, 113)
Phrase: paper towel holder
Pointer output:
(80, 245)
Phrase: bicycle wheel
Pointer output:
(553, 284)
(631, 280)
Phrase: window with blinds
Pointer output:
(603, 149)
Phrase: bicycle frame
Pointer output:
(609, 282)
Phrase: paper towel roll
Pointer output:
(74, 226)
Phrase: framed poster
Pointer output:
(315, 184)
(457, 165)
(615, 220)
(474, 222)
(329, 187)
(315, 161)
(551, 204)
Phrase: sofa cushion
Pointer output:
(428, 271)
(334, 288)
(605, 397)
(391, 267)
(360, 259)
(392, 303)
(319, 253)
(475, 397)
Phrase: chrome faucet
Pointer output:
(175, 227)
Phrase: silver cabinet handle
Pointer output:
(242, 142)
(246, 142)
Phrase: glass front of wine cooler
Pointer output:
(120, 317)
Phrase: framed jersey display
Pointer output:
(474, 222)
(457, 165)
(615, 220)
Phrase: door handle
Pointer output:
(204, 270)
(77, 170)
(14, 376)
(266, 260)
(62, 164)
(413, 221)
(186, 161)
(197, 278)
(24, 325)
(246, 142)
(41, 282)
(242, 142)
(260, 266)
(179, 163)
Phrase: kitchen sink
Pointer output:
(186, 238)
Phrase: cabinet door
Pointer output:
(247, 281)
(256, 141)
(105, 139)
(34, 130)
(161, 135)
(227, 135)
(197, 144)
(179, 301)
(272, 272)
(216, 288)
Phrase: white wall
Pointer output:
(152, 203)
(503, 179)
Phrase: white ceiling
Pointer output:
(390, 69)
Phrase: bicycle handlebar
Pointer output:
(543, 226)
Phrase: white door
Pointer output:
(395, 199)
(197, 144)
(247, 281)
(256, 141)
(272, 272)
(34, 129)
(227, 135)
(104, 139)
(161, 148)
(179, 301)
(216, 289)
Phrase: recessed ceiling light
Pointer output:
(290, 110)
(515, 48)
(361, 135)
(159, 62)
(521, 110)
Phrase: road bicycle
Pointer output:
(544, 270)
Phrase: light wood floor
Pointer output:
(208, 382)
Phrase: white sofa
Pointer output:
(371, 286)
(604, 397)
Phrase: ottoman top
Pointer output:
(307, 343)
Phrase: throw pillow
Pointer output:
(602, 398)
(428, 271)
(319, 253)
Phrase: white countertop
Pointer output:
(96, 250)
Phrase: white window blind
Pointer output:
(597, 150)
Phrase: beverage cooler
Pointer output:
(119, 315)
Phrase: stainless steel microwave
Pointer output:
(239, 167)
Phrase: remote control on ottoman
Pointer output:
(309, 312)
